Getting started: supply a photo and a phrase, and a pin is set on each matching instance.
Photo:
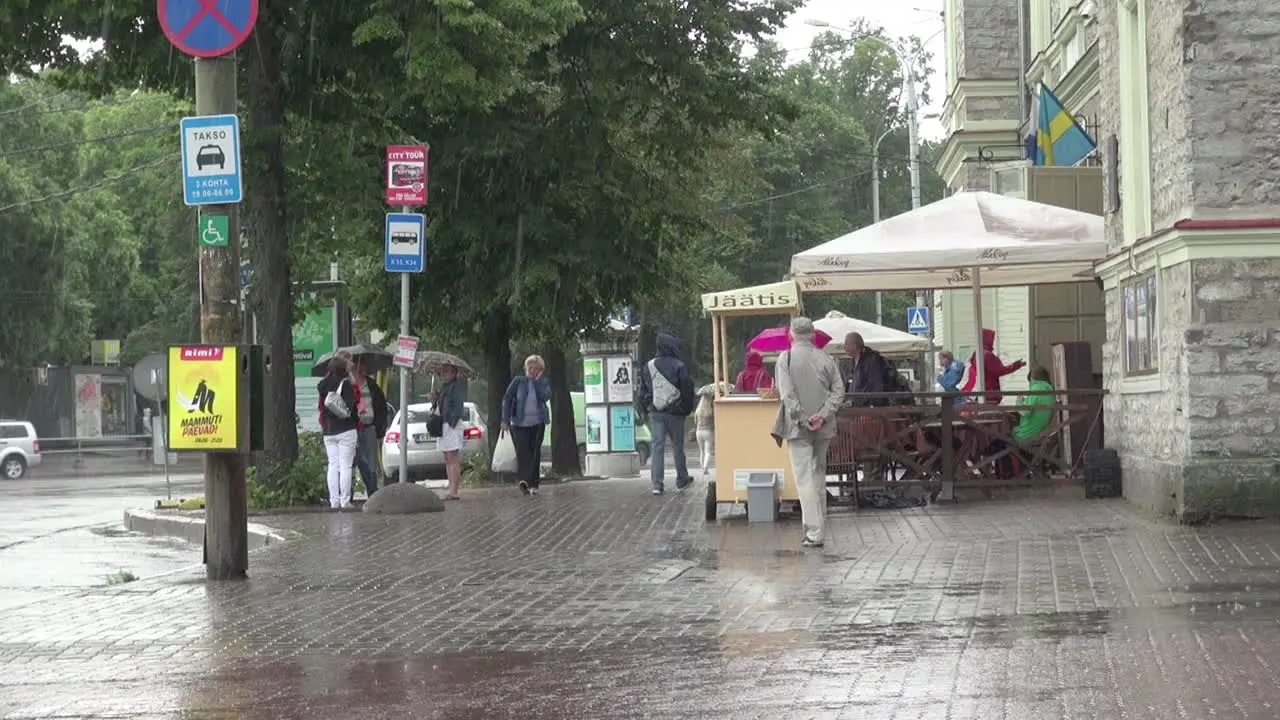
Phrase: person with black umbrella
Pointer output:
(372, 412)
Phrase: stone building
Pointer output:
(1191, 113)
(1188, 121)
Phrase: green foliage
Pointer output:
(476, 469)
(120, 577)
(302, 484)
(97, 240)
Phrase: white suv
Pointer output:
(19, 448)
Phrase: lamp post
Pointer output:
(875, 208)
(913, 137)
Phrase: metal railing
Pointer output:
(925, 439)
(79, 447)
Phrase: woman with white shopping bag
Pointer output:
(339, 398)
(524, 419)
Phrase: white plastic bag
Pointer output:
(504, 455)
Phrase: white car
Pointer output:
(425, 461)
(19, 448)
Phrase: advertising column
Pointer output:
(312, 338)
(609, 390)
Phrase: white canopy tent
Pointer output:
(968, 240)
(883, 340)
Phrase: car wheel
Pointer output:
(14, 467)
(642, 449)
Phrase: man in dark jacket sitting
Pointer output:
(667, 396)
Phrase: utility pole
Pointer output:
(875, 208)
(226, 502)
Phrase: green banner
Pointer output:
(312, 338)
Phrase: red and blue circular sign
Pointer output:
(207, 28)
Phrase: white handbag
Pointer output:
(334, 403)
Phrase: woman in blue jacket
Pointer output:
(952, 374)
(525, 416)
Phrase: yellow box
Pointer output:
(743, 442)
(203, 398)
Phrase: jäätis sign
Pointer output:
(779, 297)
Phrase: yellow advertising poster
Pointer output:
(202, 397)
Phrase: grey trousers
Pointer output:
(809, 466)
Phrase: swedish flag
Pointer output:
(1059, 139)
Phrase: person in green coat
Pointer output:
(1032, 422)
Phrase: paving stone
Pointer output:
(597, 600)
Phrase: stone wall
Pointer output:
(989, 108)
(1149, 429)
(1167, 117)
(1229, 52)
(1108, 110)
(988, 39)
(1233, 354)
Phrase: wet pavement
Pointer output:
(596, 600)
(62, 533)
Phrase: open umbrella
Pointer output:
(375, 359)
(433, 362)
(778, 339)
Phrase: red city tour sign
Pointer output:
(406, 179)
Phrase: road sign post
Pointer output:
(918, 320)
(405, 251)
(209, 30)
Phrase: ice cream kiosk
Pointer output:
(747, 456)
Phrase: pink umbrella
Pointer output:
(779, 339)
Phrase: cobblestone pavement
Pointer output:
(597, 600)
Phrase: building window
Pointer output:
(1141, 339)
(1073, 49)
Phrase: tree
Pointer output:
(577, 192)
(89, 222)
(371, 64)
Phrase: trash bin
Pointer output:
(762, 497)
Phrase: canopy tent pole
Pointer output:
(716, 371)
(724, 350)
(980, 355)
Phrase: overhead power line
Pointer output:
(87, 141)
(85, 188)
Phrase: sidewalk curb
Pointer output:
(184, 527)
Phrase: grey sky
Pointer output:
(900, 19)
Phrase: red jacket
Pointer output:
(993, 369)
(754, 376)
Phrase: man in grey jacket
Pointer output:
(812, 391)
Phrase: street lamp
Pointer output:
(875, 208)
(913, 142)
(913, 111)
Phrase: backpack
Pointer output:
(666, 396)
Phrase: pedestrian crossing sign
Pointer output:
(918, 320)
